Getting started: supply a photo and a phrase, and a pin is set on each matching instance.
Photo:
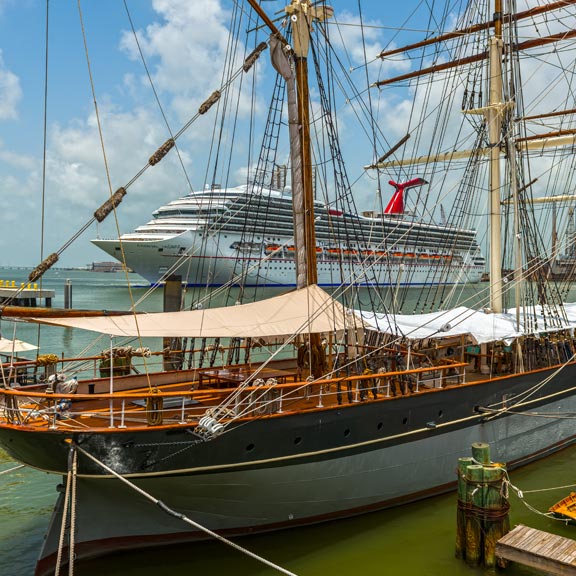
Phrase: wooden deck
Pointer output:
(541, 550)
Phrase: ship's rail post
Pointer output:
(54, 414)
(111, 403)
(122, 425)
(357, 391)
(182, 411)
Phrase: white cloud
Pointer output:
(185, 51)
(10, 92)
(76, 165)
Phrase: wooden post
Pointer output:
(497, 522)
(172, 303)
(463, 464)
(474, 496)
(481, 452)
(482, 517)
(68, 294)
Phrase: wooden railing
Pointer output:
(36, 408)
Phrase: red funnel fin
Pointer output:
(396, 204)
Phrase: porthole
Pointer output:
(379, 427)
(440, 413)
(347, 432)
(250, 447)
(405, 420)
(298, 440)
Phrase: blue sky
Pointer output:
(182, 41)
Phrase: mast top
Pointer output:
(302, 14)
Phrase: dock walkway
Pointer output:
(537, 549)
(24, 295)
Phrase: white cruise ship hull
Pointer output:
(212, 262)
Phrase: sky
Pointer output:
(184, 43)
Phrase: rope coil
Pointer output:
(154, 407)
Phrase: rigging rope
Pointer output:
(181, 516)
(12, 469)
(115, 198)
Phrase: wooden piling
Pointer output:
(474, 496)
(463, 464)
(496, 520)
(481, 452)
(482, 517)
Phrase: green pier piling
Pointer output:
(463, 464)
(482, 515)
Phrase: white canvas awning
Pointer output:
(549, 318)
(302, 311)
(480, 326)
(12, 346)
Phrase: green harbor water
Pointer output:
(416, 539)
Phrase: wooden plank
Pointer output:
(540, 550)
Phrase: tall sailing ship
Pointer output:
(351, 406)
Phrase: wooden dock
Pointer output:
(27, 295)
(537, 549)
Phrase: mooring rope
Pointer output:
(183, 517)
(64, 517)
(12, 469)
(521, 493)
(72, 535)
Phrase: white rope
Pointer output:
(64, 520)
(12, 469)
(182, 517)
(520, 494)
(71, 540)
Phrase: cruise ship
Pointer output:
(244, 236)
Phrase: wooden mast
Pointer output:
(494, 119)
(302, 14)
